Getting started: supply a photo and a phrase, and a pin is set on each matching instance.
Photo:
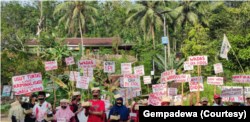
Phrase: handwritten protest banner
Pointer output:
(6, 90)
(198, 60)
(172, 91)
(139, 70)
(126, 68)
(193, 84)
(215, 80)
(50, 65)
(131, 80)
(168, 76)
(159, 90)
(109, 66)
(187, 66)
(69, 61)
(88, 73)
(71, 76)
(121, 82)
(227, 94)
(147, 80)
(182, 78)
(27, 83)
(241, 78)
(218, 68)
(154, 100)
(86, 64)
(128, 96)
(82, 82)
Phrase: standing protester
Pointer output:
(96, 112)
(145, 102)
(165, 101)
(218, 101)
(248, 100)
(16, 112)
(65, 113)
(74, 106)
(204, 101)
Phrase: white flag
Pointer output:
(225, 48)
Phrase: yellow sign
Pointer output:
(60, 83)
(77, 48)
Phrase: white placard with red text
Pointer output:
(193, 84)
(71, 76)
(241, 78)
(109, 66)
(126, 68)
(154, 100)
(61, 119)
(159, 90)
(86, 64)
(121, 82)
(27, 83)
(131, 80)
(139, 70)
(107, 102)
(218, 68)
(187, 66)
(182, 78)
(88, 73)
(69, 61)
(128, 96)
(82, 82)
(50, 65)
(172, 91)
(147, 80)
(168, 76)
(234, 99)
(215, 80)
(198, 60)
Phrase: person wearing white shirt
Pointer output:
(218, 101)
(248, 100)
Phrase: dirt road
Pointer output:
(4, 118)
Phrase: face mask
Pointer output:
(95, 95)
(204, 105)
(36, 100)
(64, 106)
(119, 104)
(219, 101)
(41, 99)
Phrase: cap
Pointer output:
(64, 100)
(165, 99)
(217, 96)
(76, 93)
(248, 96)
(42, 93)
(177, 103)
(204, 99)
(14, 104)
(96, 88)
(140, 101)
(117, 96)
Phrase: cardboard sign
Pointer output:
(198, 60)
(159, 90)
(139, 70)
(88, 73)
(61, 119)
(172, 91)
(132, 114)
(128, 96)
(187, 66)
(168, 76)
(215, 80)
(241, 78)
(6, 90)
(154, 100)
(121, 82)
(71, 76)
(131, 80)
(86, 64)
(232, 92)
(147, 80)
(50, 65)
(183, 78)
(126, 68)
(193, 84)
(82, 82)
(225, 96)
(69, 61)
(164, 40)
(218, 68)
(107, 103)
(27, 83)
(109, 66)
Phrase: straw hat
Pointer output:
(248, 96)
(14, 104)
(117, 96)
(76, 93)
(140, 101)
(165, 99)
(48, 118)
(145, 101)
(112, 117)
(64, 100)
(58, 107)
(96, 88)
(177, 103)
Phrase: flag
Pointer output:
(225, 48)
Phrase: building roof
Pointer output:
(86, 41)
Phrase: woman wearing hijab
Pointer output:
(65, 113)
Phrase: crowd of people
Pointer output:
(69, 111)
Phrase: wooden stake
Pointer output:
(167, 89)
(215, 87)
(148, 88)
(88, 87)
(54, 106)
(182, 93)
(198, 97)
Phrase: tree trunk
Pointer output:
(153, 34)
(168, 44)
(81, 38)
(39, 28)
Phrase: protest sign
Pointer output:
(168, 76)
(233, 93)
(27, 83)
(109, 66)
(159, 90)
(69, 61)
(241, 78)
(126, 68)
(71, 76)
(154, 100)
(139, 70)
(128, 96)
(88, 73)
(50, 65)
(215, 80)
(187, 66)
(218, 68)
(121, 82)
(86, 64)
(107, 103)
(131, 80)
(182, 78)
(6, 90)
(198, 60)
(193, 84)
(172, 91)
(82, 82)
(147, 80)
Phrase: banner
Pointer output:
(168, 76)
(159, 90)
(139, 70)
(198, 60)
(193, 84)
(6, 90)
(126, 68)
(121, 82)
(187, 66)
(241, 78)
(128, 96)
(50, 65)
(27, 83)
(172, 91)
(86, 64)
(69, 61)
(218, 68)
(88, 73)
(147, 80)
(154, 100)
(225, 48)
(183, 78)
(71, 76)
(215, 80)
(109, 66)
(131, 80)
(226, 92)
(82, 82)
(232, 92)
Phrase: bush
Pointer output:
(105, 51)
(132, 52)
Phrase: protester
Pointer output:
(217, 100)
(65, 112)
(236, 104)
(81, 116)
(248, 100)
(16, 112)
(150, 105)
(135, 118)
(97, 110)
(165, 101)
(204, 101)
(120, 109)
(178, 104)
(145, 102)
(73, 106)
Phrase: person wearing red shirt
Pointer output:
(96, 111)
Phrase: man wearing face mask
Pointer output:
(73, 106)
(218, 101)
(120, 108)
(204, 101)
